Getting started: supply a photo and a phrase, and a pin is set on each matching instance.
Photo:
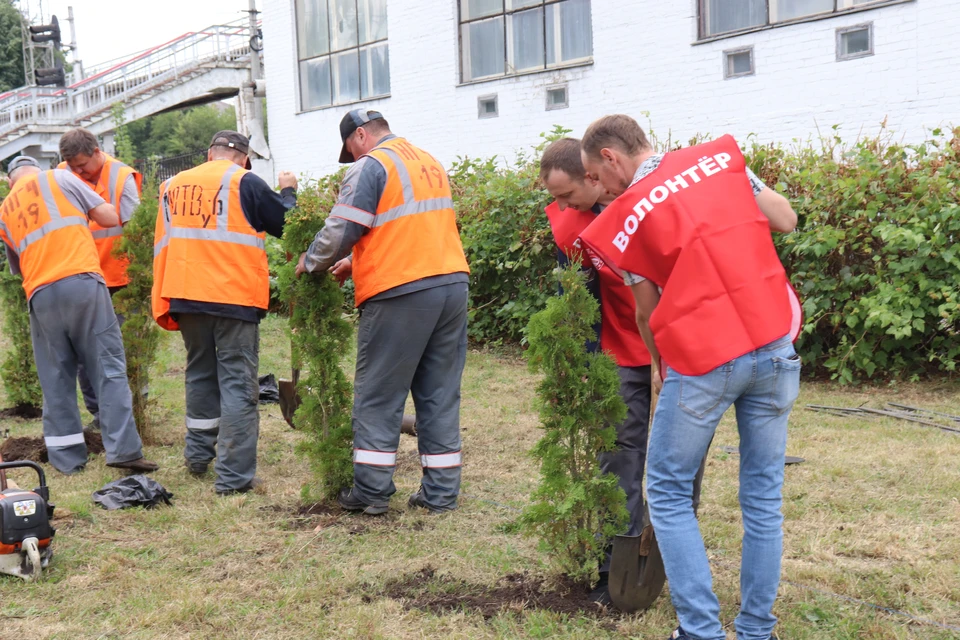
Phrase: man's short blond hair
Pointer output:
(614, 132)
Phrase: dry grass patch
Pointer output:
(872, 515)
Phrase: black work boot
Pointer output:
(349, 501)
(196, 469)
(417, 500)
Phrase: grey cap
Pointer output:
(20, 162)
(350, 123)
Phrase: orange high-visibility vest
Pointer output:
(414, 232)
(48, 232)
(204, 248)
(113, 176)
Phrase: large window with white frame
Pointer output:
(718, 17)
(342, 51)
(506, 37)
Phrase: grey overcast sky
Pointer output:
(109, 29)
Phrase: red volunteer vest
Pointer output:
(619, 335)
(693, 228)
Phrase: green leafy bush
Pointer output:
(874, 256)
(507, 241)
(19, 370)
(576, 509)
(141, 335)
(320, 337)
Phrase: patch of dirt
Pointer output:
(322, 515)
(439, 594)
(25, 448)
(23, 411)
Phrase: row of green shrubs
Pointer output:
(873, 256)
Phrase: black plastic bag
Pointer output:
(132, 491)
(269, 392)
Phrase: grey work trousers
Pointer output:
(86, 388)
(223, 421)
(71, 323)
(628, 460)
(414, 343)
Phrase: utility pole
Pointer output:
(255, 70)
(77, 63)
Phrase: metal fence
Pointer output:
(166, 168)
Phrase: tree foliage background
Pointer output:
(176, 132)
(11, 46)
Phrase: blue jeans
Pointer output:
(763, 386)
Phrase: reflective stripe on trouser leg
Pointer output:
(375, 458)
(237, 363)
(436, 395)
(201, 388)
(441, 460)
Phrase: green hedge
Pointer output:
(873, 256)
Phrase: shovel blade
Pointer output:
(289, 400)
(636, 581)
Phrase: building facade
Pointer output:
(486, 77)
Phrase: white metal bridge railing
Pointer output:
(217, 45)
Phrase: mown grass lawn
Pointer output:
(873, 514)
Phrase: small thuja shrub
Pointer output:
(19, 371)
(141, 335)
(319, 338)
(576, 509)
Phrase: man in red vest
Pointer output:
(690, 231)
(579, 200)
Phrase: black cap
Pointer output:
(233, 140)
(350, 123)
(22, 161)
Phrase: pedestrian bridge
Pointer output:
(195, 68)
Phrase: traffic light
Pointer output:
(43, 34)
(51, 77)
(47, 32)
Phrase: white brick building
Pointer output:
(796, 70)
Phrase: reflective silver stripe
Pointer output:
(59, 442)
(165, 204)
(353, 215)
(3, 226)
(224, 193)
(412, 208)
(231, 237)
(201, 424)
(375, 458)
(43, 179)
(402, 174)
(112, 184)
(441, 461)
(112, 232)
(50, 227)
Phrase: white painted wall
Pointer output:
(644, 62)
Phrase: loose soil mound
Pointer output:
(34, 449)
(440, 594)
(24, 411)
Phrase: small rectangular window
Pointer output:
(557, 97)
(487, 106)
(855, 42)
(738, 63)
